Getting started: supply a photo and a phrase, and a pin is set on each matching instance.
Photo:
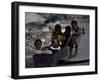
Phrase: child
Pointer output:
(57, 35)
(42, 57)
(39, 49)
(75, 36)
(67, 35)
(38, 45)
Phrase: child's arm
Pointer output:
(58, 48)
(77, 33)
(69, 40)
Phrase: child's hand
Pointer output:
(44, 48)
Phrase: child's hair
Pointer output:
(57, 28)
(37, 41)
(74, 22)
(67, 29)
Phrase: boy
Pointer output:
(39, 49)
(42, 56)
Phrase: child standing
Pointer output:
(75, 37)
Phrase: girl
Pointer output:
(57, 35)
(75, 37)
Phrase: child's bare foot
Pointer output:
(74, 55)
(70, 57)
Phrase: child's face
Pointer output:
(38, 45)
(67, 31)
(74, 26)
